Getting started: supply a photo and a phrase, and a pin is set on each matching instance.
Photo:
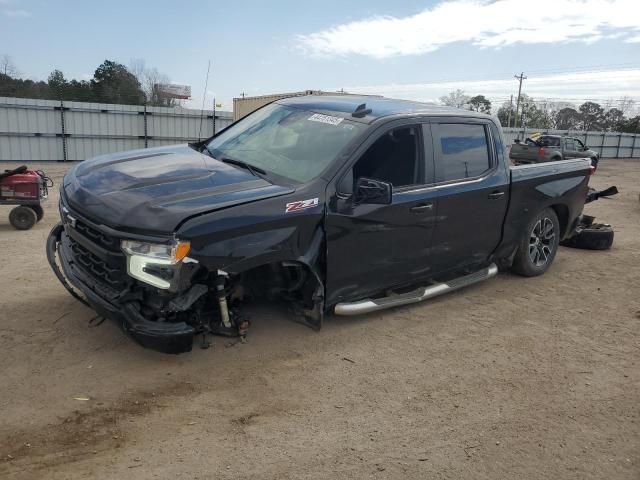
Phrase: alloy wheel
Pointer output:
(541, 242)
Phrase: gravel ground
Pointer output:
(512, 378)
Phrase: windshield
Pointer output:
(292, 143)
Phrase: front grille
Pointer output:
(105, 241)
(110, 274)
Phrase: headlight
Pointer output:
(172, 253)
(152, 262)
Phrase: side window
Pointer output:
(462, 151)
(394, 158)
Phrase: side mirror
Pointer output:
(585, 148)
(373, 191)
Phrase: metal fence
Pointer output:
(607, 144)
(41, 130)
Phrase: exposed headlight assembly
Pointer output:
(150, 262)
(174, 252)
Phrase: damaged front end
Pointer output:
(162, 297)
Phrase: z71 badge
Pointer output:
(301, 205)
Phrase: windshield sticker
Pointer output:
(316, 117)
(301, 205)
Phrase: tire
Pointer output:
(39, 211)
(538, 245)
(556, 159)
(22, 218)
(598, 236)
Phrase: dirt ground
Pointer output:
(512, 378)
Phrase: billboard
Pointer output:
(173, 90)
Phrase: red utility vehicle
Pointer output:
(26, 189)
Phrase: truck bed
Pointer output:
(521, 152)
(536, 186)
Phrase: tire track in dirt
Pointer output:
(84, 432)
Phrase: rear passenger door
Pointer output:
(473, 191)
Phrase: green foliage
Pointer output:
(630, 125)
(614, 120)
(111, 83)
(505, 113)
(592, 116)
(479, 103)
(567, 119)
(563, 116)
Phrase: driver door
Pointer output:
(372, 247)
(570, 148)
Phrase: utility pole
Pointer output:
(520, 77)
(510, 108)
(214, 115)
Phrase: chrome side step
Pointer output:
(418, 295)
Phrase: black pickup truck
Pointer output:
(333, 204)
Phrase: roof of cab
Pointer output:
(345, 105)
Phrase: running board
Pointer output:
(418, 295)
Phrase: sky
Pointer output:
(573, 50)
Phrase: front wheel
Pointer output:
(538, 245)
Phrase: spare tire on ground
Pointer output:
(597, 236)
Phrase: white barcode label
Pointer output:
(317, 117)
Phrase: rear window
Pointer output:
(549, 142)
(463, 151)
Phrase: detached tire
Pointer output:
(22, 218)
(597, 236)
(538, 245)
(39, 211)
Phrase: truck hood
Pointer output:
(154, 190)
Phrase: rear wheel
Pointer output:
(538, 245)
(39, 211)
(22, 218)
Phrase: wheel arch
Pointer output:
(562, 212)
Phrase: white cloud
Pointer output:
(16, 13)
(570, 87)
(483, 23)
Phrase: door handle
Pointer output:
(495, 195)
(422, 208)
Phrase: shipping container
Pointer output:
(243, 106)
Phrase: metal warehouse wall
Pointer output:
(607, 144)
(37, 130)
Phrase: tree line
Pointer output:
(112, 82)
(554, 115)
